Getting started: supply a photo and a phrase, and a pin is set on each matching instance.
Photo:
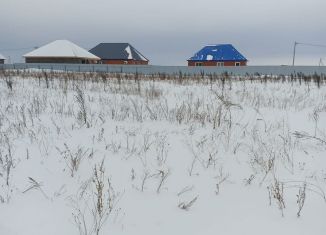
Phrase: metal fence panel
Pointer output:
(155, 69)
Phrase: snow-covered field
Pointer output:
(155, 157)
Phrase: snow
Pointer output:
(214, 142)
(141, 56)
(130, 56)
(209, 57)
(2, 57)
(128, 50)
(61, 48)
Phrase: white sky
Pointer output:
(169, 32)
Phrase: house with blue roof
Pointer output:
(218, 55)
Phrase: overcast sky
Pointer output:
(168, 32)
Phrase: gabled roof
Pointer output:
(61, 49)
(117, 51)
(220, 52)
(2, 57)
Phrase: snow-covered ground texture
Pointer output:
(91, 154)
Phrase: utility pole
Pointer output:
(294, 49)
(305, 44)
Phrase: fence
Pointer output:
(155, 69)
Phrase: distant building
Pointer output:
(2, 59)
(61, 52)
(118, 53)
(218, 55)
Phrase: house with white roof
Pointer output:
(2, 59)
(61, 51)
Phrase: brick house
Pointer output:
(119, 53)
(2, 59)
(61, 52)
(218, 55)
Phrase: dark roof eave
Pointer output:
(59, 57)
(124, 59)
(214, 60)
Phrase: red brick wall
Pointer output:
(140, 62)
(214, 63)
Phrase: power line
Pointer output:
(310, 44)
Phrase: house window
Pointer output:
(125, 62)
(198, 64)
(237, 63)
(220, 64)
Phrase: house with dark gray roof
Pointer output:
(118, 53)
(218, 55)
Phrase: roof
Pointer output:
(117, 51)
(2, 57)
(61, 49)
(219, 52)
